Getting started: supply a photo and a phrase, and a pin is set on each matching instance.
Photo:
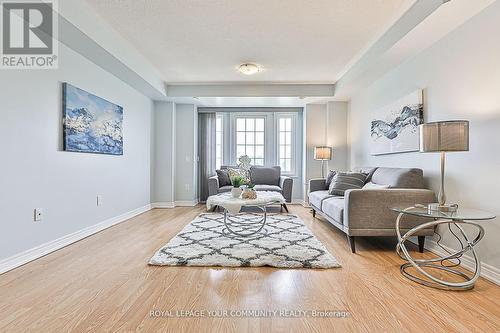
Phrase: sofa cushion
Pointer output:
(399, 177)
(316, 198)
(344, 181)
(265, 175)
(267, 188)
(334, 208)
(223, 176)
(225, 188)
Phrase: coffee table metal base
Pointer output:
(248, 228)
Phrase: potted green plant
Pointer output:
(237, 181)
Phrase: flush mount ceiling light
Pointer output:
(248, 69)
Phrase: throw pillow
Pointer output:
(329, 178)
(265, 176)
(238, 172)
(373, 186)
(370, 174)
(223, 176)
(344, 181)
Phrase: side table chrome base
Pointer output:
(436, 263)
(466, 284)
(249, 228)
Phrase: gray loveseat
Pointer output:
(264, 178)
(366, 212)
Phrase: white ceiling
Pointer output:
(294, 40)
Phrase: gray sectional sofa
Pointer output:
(366, 212)
(264, 178)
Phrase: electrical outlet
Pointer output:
(99, 200)
(38, 214)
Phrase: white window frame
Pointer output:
(295, 144)
(271, 137)
(234, 132)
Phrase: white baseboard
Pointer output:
(297, 202)
(168, 204)
(190, 203)
(22, 258)
(488, 272)
(173, 204)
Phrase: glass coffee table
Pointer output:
(249, 224)
(426, 266)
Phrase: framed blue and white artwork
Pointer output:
(91, 124)
(395, 126)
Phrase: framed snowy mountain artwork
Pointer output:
(395, 128)
(91, 124)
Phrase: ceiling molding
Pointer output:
(82, 30)
(250, 90)
(424, 24)
(78, 41)
(417, 13)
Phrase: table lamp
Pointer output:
(322, 153)
(444, 136)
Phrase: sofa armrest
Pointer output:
(213, 185)
(317, 184)
(370, 209)
(286, 184)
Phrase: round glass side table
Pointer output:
(426, 266)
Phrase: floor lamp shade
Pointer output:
(322, 153)
(444, 136)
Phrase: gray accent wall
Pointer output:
(163, 157)
(36, 173)
(460, 76)
(174, 161)
(324, 124)
(186, 142)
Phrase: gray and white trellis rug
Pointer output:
(287, 243)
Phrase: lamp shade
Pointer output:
(442, 136)
(322, 153)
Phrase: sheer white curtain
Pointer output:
(206, 151)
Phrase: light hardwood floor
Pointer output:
(103, 284)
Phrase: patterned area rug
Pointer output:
(287, 243)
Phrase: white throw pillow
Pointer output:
(373, 186)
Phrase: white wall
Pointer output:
(186, 142)
(461, 78)
(35, 173)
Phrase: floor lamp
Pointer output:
(442, 137)
(322, 153)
